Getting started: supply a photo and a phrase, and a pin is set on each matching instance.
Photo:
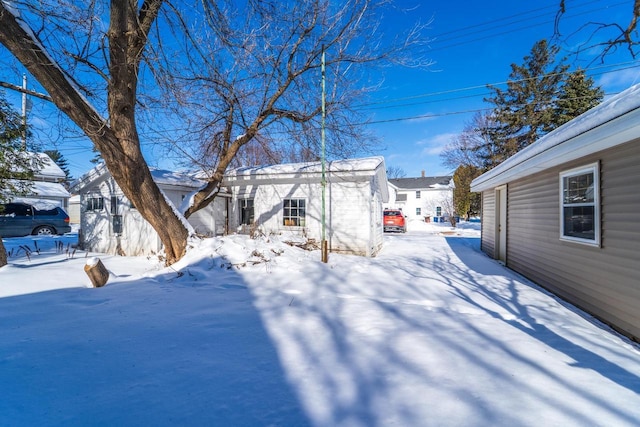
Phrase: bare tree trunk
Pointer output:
(117, 140)
(3, 254)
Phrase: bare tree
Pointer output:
(223, 77)
(395, 172)
(615, 35)
(473, 146)
(116, 136)
(263, 95)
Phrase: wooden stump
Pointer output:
(97, 272)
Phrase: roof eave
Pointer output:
(619, 130)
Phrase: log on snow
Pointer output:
(97, 272)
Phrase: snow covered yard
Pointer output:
(248, 332)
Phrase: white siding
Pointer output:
(429, 200)
(353, 209)
(137, 237)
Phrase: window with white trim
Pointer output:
(294, 212)
(417, 194)
(580, 205)
(418, 211)
(95, 204)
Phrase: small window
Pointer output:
(294, 211)
(114, 205)
(95, 204)
(245, 206)
(439, 211)
(418, 194)
(418, 211)
(117, 224)
(580, 205)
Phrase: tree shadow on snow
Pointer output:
(472, 282)
(392, 352)
(166, 350)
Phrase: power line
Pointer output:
(449, 113)
(462, 32)
(384, 103)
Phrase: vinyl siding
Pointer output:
(604, 281)
(488, 242)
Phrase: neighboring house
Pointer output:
(287, 199)
(422, 198)
(46, 188)
(74, 209)
(565, 211)
(109, 223)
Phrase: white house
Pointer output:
(287, 199)
(46, 185)
(422, 198)
(109, 223)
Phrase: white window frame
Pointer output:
(297, 205)
(94, 204)
(593, 168)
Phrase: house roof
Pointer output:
(348, 165)
(48, 169)
(355, 169)
(613, 122)
(421, 183)
(160, 176)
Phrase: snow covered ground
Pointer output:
(248, 332)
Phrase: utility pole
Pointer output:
(324, 245)
(24, 112)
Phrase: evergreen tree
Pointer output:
(62, 163)
(15, 164)
(466, 203)
(526, 110)
(578, 94)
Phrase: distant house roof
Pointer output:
(47, 170)
(421, 183)
(613, 122)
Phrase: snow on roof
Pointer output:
(47, 189)
(348, 165)
(160, 176)
(613, 122)
(167, 177)
(49, 168)
(50, 189)
(422, 182)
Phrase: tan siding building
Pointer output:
(573, 211)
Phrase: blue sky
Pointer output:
(474, 44)
(418, 111)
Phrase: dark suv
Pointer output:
(21, 219)
(394, 220)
